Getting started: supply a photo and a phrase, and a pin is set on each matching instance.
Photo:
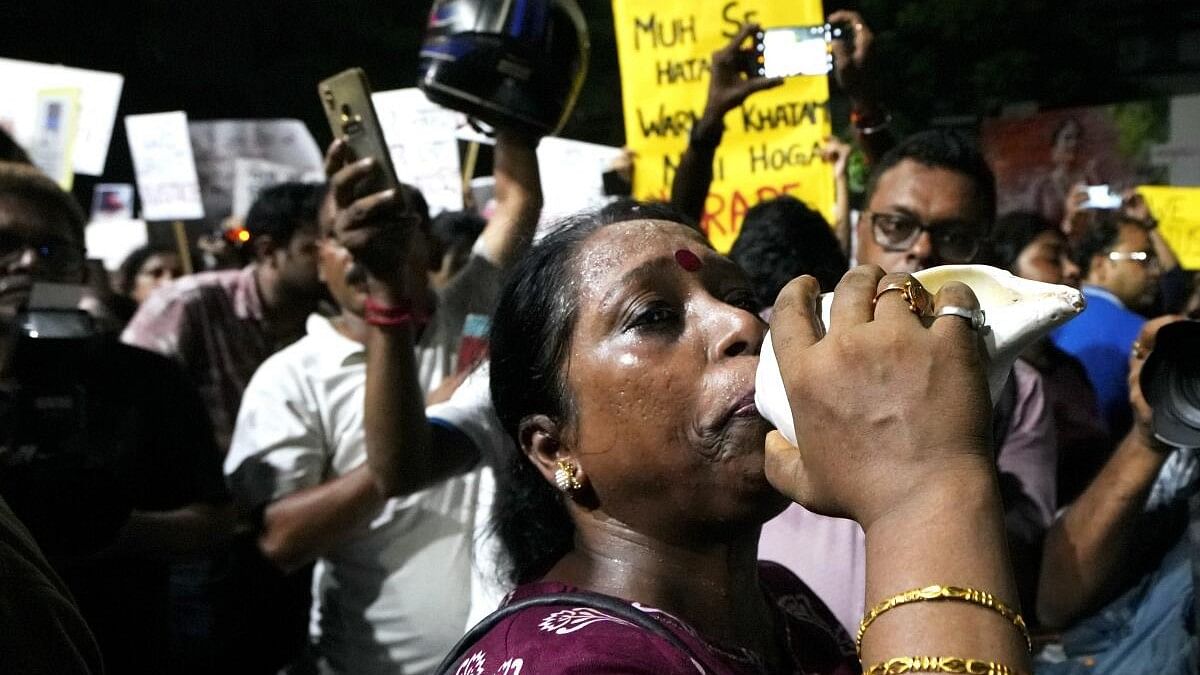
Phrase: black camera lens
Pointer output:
(1171, 384)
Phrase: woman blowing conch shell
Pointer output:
(624, 354)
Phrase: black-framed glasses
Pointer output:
(956, 242)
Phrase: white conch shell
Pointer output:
(1017, 312)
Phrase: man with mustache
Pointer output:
(394, 545)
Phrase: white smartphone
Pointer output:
(1101, 197)
(795, 50)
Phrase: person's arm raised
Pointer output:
(518, 199)
(855, 70)
(401, 454)
(893, 423)
(1088, 548)
(728, 88)
(837, 153)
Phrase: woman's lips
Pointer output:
(746, 407)
(743, 407)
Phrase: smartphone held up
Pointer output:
(789, 51)
(346, 99)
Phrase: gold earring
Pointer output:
(564, 477)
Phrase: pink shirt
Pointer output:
(212, 323)
(830, 554)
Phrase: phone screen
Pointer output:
(796, 50)
(1101, 197)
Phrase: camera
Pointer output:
(1170, 381)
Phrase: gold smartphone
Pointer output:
(346, 98)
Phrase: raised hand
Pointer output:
(729, 85)
(851, 60)
(375, 228)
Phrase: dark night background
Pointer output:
(945, 60)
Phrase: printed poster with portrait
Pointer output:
(1038, 158)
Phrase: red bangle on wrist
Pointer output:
(391, 316)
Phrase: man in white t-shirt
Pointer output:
(401, 565)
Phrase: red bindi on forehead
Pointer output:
(688, 260)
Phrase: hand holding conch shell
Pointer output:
(882, 401)
(1016, 312)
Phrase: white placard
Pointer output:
(218, 143)
(58, 126)
(165, 168)
(421, 138)
(572, 175)
(252, 176)
(114, 239)
(99, 95)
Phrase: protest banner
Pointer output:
(252, 176)
(113, 239)
(218, 143)
(98, 96)
(164, 166)
(53, 144)
(1177, 210)
(772, 142)
(421, 139)
(572, 175)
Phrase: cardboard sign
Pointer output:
(772, 142)
(113, 239)
(165, 168)
(421, 138)
(1178, 212)
(219, 143)
(572, 175)
(98, 96)
(53, 144)
(252, 176)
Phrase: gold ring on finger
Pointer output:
(918, 299)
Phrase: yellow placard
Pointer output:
(1178, 212)
(772, 142)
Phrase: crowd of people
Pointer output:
(393, 442)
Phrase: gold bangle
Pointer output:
(939, 592)
(939, 664)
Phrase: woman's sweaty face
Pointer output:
(661, 373)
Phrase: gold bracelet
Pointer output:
(939, 664)
(939, 592)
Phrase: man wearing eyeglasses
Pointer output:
(1121, 272)
(106, 452)
(931, 200)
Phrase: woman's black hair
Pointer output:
(530, 339)
(783, 238)
(1012, 233)
(127, 274)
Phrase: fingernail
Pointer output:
(366, 161)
